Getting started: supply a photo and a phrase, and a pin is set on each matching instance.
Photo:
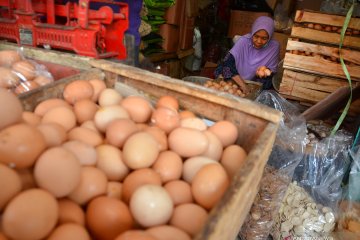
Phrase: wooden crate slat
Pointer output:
(324, 37)
(321, 66)
(323, 18)
(348, 55)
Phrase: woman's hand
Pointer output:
(239, 81)
(263, 72)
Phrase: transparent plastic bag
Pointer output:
(287, 152)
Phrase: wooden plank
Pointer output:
(327, 19)
(302, 93)
(188, 89)
(320, 66)
(348, 55)
(324, 37)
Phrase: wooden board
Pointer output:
(324, 37)
(320, 66)
(327, 19)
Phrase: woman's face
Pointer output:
(260, 38)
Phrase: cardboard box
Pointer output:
(241, 21)
(283, 39)
(173, 14)
(170, 34)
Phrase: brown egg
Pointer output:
(85, 135)
(135, 235)
(109, 160)
(32, 214)
(10, 185)
(119, 130)
(20, 145)
(69, 231)
(109, 97)
(180, 192)
(195, 123)
(85, 153)
(105, 115)
(25, 70)
(215, 148)
(168, 102)
(43, 80)
(31, 118)
(70, 212)
(10, 109)
(58, 171)
(3, 237)
(114, 189)
(27, 178)
(85, 110)
(169, 166)
(209, 185)
(25, 87)
(186, 114)
(189, 217)
(93, 183)
(60, 115)
(8, 79)
(78, 90)
(53, 133)
(188, 142)
(138, 178)
(166, 232)
(151, 205)
(193, 165)
(135, 158)
(226, 131)
(165, 118)
(159, 135)
(98, 86)
(141, 126)
(9, 57)
(139, 108)
(108, 217)
(233, 159)
(48, 104)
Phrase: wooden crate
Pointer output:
(257, 125)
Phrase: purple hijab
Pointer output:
(249, 58)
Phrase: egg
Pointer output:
(85, 153)
(8, 79)
(54, 134)
(138, 178)
(70, 212)
(20, 145)
(159, 135)
(10, 185)
(108, 217)
(78, 90)
(90, 124)
(109, 97)
(105, 115)
(43, 80)
(48, 104)
(60, 115)
(119, 130)
(135, 158)
(166, 232)
(195, 123)
(10, 109)
(25, 70)
(179, 191)
(58, 171)
(69, 231)
(139, 108)
(215, 147)
(98, 86)
(85, 110)
(85, 135)
(135, 235)
(165, 118)
(109, 160)
(188, 142)
(169, 166)
(233, 159)
(93, 183)
(226, 131)
(193, 165)
(186, 114)
(27, 178)
(209, 185)
(151, 205)
(25, 87)
(168, 102)
(23, 222)
(30, 118)
(189, 217)
(114, 189)
(9, 57)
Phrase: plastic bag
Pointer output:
(287, 152)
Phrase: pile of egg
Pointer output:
(97, 165)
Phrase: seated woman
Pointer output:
(254, 56)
